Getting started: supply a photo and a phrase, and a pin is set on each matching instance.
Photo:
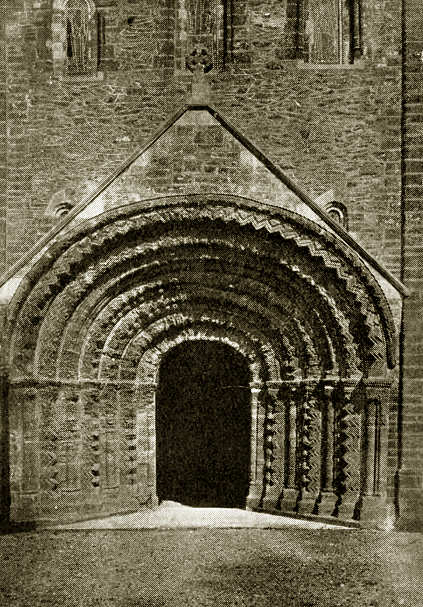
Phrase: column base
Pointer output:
(373, 511)
(288, 502)
(254, 497)
(307, 503)
(325, 503)
(345, 507)
(410, 501)
(271, 500)
(153, 502)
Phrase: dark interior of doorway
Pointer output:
(203, 424)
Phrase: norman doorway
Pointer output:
(203, 425)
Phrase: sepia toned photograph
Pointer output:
(211, 303)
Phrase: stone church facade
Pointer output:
(211, 257)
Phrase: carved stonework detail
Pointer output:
(304, 444)
(348, 446)
(291, 434)
(257, 463)
(110, 430)
(315, 432)
(95, 469)
(309, 440)
(164, 218)
(199, 61)
(130, 440)
(113, 297)
(71, 441)
(274, 449)
(128, 462)
(269, 445)
(49, 440)
(91, 469)
(278, 448)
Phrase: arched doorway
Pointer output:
(114, 298)
(203, 425)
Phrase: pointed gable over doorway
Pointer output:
(198, 151)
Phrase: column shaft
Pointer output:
(288, 498)
(327, 498)
(257, 456)
(274, 450)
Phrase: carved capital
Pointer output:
(377, 391)
(273, 393)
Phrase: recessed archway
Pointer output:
(108, 302)
(203, 425)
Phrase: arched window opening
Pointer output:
(79, 39)
(202, 24)
(323, 31)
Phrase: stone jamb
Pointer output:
(372, 508)
(257, 412)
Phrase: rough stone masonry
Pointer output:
(273, 214)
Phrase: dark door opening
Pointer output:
(203, 423)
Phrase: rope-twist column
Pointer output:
(309, 464)
(274, 432)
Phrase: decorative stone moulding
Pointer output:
(115, 294)
(199, 58)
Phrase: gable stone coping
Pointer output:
(11, 279)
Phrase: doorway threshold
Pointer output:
(329, 520)
(173, 515)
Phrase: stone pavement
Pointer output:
(172, 515)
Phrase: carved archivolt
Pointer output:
(91, 321)
(312, 267)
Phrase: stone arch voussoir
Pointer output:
(35, 294)
(149, 364)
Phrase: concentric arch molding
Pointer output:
(96, 239)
